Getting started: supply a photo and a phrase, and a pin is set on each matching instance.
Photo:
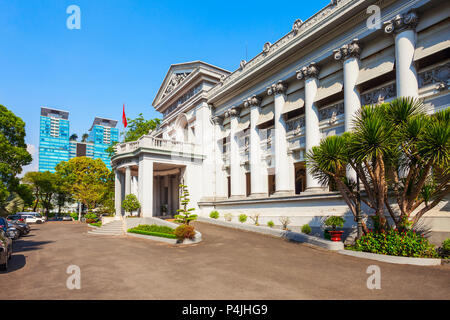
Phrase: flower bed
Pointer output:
(396, 243)
(154, 230)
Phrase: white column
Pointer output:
(118, 194)
(204, 131)
(146, 186)
(312, 133)
(258, 173)
(169, 195)
(282, 174)
(127, 180)
(237, 181)
(403, 27)
(349, 55)
(221, 184)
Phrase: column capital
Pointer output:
(277, 88)
(402, 22)
(311, 71)
(350, 50)
(232, 112)
(252, 102)
(217, 120)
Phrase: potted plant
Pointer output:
(333, 222)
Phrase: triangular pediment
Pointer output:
(177, 75)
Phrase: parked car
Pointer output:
(36, 214)
(67, 218)
(23, 228)
(3, 224)
(12, 232)
(16, 218)
(33, 219)
(5, 250)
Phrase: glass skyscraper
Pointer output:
(53, 138)
(103, 133)
(54, 145)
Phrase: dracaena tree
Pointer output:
(401, 154)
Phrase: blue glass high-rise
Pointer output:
(103, 134)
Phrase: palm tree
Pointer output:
(84, 137)
(399, 151)
(73, 137)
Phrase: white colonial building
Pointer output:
(238, 139)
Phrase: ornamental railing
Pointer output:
(149, 142)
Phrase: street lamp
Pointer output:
(358, 207)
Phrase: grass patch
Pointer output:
(96, 224)
(154, 230)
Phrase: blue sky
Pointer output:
(123, 51)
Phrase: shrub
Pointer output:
(242, 218)
(306, 229)
(393, 242)
(131, 203)
(444, 250)
(228, 217)
(270, 223)
(91, 216)
(334, 221)
(185, 215)
(74, 215)
(255, 218)
(96, 224)
(156, 234)
(184, 232)
(214, 214)
(91, 220)
(284, 222)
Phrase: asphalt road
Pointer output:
(227, 264)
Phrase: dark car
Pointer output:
(22, 227)
(3, 224)
(5, 250)
(12, 232)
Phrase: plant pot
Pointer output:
(336, 235)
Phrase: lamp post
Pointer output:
(358, 207)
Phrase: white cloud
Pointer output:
(34, 165)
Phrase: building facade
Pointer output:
(238, 139)
(55, 144)
(53, 138)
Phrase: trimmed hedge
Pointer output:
(96, 224)
(150, 233)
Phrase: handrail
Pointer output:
(147, 141)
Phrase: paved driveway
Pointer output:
(228, 264)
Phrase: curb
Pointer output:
(288, 235)
(393, 259)
(162, 239)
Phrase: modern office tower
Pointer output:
(54, 138)
(103, 133)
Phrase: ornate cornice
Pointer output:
(351, 50)
(232, 112)
(311, 71)
(252, 102)
(277, 88)
(402, 22)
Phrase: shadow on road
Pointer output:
(18, 261)
(28, 245)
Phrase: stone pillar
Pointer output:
(204, 131)
(282, 174)
(221, 184)
(258, 173)
(146, 186)
(169, 195)
(127, 180)
(403, 27)
(312, 133)
(237, 176)
(118, 193)
(349, 55)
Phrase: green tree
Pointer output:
(26, 194)
(84, 137)
(399, 151)
(89, 179)
(13, 150)
(73, 137)
(131, 203)
(185, 215)
(43, 187)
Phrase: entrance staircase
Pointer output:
(114, 228)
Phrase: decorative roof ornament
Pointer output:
(231, 113)
(242, 64)
(266, 47)
(296, 25)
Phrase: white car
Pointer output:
(33, 218)
(33, 214)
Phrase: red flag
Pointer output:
(124, 118)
